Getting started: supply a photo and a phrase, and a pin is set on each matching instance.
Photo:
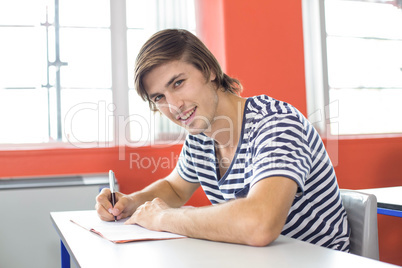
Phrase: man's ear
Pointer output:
(212, 76)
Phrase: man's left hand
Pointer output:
(149, 214)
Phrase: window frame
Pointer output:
(316, 74)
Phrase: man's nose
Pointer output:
(175, 103)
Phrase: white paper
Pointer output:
(117, 232)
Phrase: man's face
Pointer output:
(181, 92)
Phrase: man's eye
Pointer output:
(178, 83)
(158, 98)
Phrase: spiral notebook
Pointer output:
(117, 232)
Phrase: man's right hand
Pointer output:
(123, 208)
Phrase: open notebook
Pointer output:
(117, 232)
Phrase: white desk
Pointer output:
(389, 200)
(90, 250)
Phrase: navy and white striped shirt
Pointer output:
(276, 140)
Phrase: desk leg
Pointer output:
(65, 256)
(389, 212)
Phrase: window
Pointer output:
(354, 65)
(67, 70)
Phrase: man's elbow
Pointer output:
(261, 237)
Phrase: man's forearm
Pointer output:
(160, 188)
(233, 222)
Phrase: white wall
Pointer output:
(27, 236)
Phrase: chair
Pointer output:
(361, 209)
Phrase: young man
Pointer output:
(260, 162)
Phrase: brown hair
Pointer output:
(177, 44)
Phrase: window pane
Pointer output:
(141, 14)
(87, 52)
(359, 18)
(23, 116)
(135, 40)
(88, 13)
(23, 12)
(366, 111)
(23, 64)
(140, 119)
(22, 57)
(356, 62)
(87, 115)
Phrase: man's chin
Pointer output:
(194, 130)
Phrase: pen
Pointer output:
(111, 186)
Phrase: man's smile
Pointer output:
(185, 116)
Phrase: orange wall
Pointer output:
(263, 47)
(134, 167)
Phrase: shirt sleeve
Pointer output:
(280, 148)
